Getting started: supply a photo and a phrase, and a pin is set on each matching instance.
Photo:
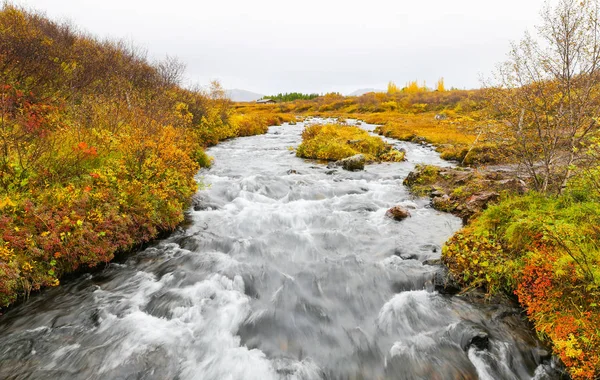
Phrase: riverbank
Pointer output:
(540, 249)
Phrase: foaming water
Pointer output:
(287, 270)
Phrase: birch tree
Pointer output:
(548, 92)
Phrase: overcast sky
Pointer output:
(271, 46)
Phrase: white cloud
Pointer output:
(271, 46)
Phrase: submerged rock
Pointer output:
(397, 213)
(409, 205)
(443, 281)
(469, 335)
(433, 262)
(200, 203)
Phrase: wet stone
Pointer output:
(353, 163)
(397, 213)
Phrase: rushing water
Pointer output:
(287, 270)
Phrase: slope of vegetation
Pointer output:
(544, 250)
(337, 141)
(98, 149)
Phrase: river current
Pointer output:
(285, 269)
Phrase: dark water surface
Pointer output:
(288, 270)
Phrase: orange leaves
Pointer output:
(557, 309)
(86, 150)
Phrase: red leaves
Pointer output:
(536, 284)
(556, 305)
(33, 115)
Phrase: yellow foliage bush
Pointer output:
(336, 141)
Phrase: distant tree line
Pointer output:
(290, 97)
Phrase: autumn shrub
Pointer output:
(248, 125)
(337, 141)
(545, 251)
(258, 117)
(279, 118)
(98, 149)
(428, 129)
(393, 155)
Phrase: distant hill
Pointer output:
(363, 91)
(238, 95)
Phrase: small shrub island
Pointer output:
(333, 142)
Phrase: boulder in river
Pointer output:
(353, 163)
(397, 213)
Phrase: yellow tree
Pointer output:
(392, 88)
(440, 85)
(413, 87)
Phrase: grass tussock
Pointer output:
(459, 139)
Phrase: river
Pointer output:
(284, 270)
